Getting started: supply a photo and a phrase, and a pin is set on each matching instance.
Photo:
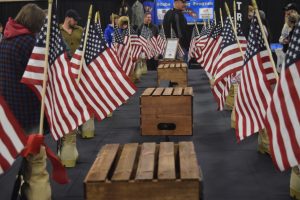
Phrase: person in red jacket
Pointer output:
(15, 50)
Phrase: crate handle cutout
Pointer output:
(173, 84)
(166, 126)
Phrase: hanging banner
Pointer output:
(195, 10)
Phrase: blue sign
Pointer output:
(196, 10)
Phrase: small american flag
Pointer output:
(211, 51)
(117, 38)
(283, 114)
(145, 40)
(204, 36)
(103, 83)
(254, 92)
(161, 41)
(220, 91)
(123, 50)
(99, 29)
(195, 38)
(230, 60)
(64, 104)
(12, 137)
(136, 45)
(180, 52)
(153, 43)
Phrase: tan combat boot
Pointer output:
(68, 152)
(144, 67)
(263, 142)
(88, 129)
(36, 184)
(295, 183)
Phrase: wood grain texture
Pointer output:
(168, 92)
(188, 161)
(103, 163)
(145, 170)
(148, 92)
(125, 165)
(166, 161)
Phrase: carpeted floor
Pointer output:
(231, 171)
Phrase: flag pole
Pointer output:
(265, 39)
(96, 17)
(215, 17)
(234, 14)
(42, 114)
(221, 17)
(85, 42)
(234, 30)
(196, 26)
(208, 21)
(99, 17)
(129, 38)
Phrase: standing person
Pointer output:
(15, 50)
(153, 62)
(175, 19)
(70, 30)
(1, 31)
(72, 34)
(148, 23)
(109, 30)
(290, 9)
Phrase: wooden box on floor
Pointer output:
(167, 111)
(144, 172)
(173, 71)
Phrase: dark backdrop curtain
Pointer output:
(272, 8)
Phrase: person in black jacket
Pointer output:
(148, 23)
(175, 19)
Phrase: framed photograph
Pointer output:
(171, 49)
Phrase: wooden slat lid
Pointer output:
(189, 168)
(158, 92)
(188, 91)
(126, 162)
(148, 92)
(102, 164)
(168, 92)
(178, 91)
(145, 170)
(166, 161)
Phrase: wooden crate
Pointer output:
(175, 72)
(167, 111)
(144, 172)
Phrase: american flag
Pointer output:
(136, 45)
(103, 82)
(161, 41)
(145, 40)
(283, 113)
(153, 43)
(204, 36)
(12, 137)
(220, 91)
(195, 38)
(117, 38)
(123, 51)
(180, 52)
(64, 104)
(99, 29)
(254, 92)
(211, 51)
(230, 60)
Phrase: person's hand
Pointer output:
(285, 41)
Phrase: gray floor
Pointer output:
(231, 171)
